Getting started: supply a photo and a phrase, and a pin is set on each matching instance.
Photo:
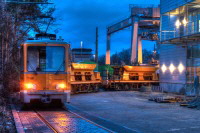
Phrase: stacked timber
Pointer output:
(194, 103)
(165, 99)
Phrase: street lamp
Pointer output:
(94, 56)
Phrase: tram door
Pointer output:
(46, 64)
(42, 65)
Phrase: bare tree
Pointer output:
(123, 57)
(17, 20)
(101, 60)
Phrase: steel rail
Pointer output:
(46, 122)
(86, 119)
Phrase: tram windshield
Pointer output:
(46, 58)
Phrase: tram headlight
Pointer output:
(60, 86)
(30, 86)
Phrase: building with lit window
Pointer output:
(82, 54)
(180, 44)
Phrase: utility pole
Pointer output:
(97, 43)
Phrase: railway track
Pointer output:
(53, 121)
(47, 123)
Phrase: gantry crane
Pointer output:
(145, 22)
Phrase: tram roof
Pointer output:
(44, 42)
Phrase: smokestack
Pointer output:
(97, 43)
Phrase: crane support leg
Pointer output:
(134, 42)
(108, 50)
(140, 49)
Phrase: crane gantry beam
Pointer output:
(141, 19)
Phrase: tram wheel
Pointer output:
(56, 103)
(96, 88)
(116, 87)
(25, 106)
(126, 87)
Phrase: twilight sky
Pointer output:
(81, 17)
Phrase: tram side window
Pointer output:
(33, 58)
(46, 58)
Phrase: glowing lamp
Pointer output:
(184, 22)
(172, 68)
(181, 68)
(163, 68)
(30, 86)
(177, 24)
(60, 86)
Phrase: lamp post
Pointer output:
(94, 57)
(81, 50)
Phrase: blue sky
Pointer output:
(79, 19)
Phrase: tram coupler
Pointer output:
(45, 99)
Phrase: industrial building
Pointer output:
(180, 44)
(82, 54)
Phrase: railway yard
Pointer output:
(132, 110)
(105, 112)
(50, 85)
(54, 121)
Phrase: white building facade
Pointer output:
(180, 44)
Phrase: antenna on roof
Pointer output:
(81, 44)
(48, 25)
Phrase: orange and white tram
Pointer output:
(45, 70)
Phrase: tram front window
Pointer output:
(46, 58)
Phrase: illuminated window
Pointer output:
(199, 25)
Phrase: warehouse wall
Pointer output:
(176, 55)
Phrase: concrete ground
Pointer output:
(133, 111)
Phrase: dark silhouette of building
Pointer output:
(82, 54)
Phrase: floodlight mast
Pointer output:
(97, 43)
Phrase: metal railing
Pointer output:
(188, 30)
